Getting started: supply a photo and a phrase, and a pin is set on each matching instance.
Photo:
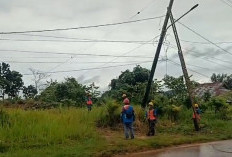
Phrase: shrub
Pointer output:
(20, 102)
(6, 103)
(110, 116)
(173, 112)
(220, 107)
(30, 102)
(67, 102)
(140, 120)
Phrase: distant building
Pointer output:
(214, 89)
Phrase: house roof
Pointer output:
(215, 89)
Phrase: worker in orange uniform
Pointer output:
(197, 116)
(151, 117)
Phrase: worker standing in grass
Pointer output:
(128, 117)
(151, 117)
(124, 97)
(197, 116)
(89, 102)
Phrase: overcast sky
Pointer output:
(212, 19)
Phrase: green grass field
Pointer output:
(74, 132)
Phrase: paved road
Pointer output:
(214, 149)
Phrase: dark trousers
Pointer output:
(196, 124)
(89, 107)
(128, 129)
(151, 124)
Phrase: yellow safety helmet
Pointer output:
(150, 104)
(124, 95)
(196, 105)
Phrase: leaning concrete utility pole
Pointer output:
(185, 71)
(155, 61)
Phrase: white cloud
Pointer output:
(211, 19)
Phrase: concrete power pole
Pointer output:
(155, 61)
(185, 72)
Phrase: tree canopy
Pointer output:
(133, 83)
(223, 78)
(10, 81)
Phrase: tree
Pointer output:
(133, 83)
(68, 91)
(30, 91)
(38, 77)
(223, 78)
(218, 77)
(93, 90)
(4, 72)
(177, 87)
(228, 82)
(48, 95)
(15, 83)
(10, 81)
(207, 96)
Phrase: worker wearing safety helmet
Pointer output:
(124, 97)
(151, 117)
(198, 112)
(89, 102)
(128, 117)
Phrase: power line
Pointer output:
(225, 61)
(141, 10)
(206, 58)
(88, 62)
(83, 27)
(206, 43)
(112, 59)
(205, 38)
(175, 63)
(227, 3)
(82, 41)
(124, 53)
(32, 57)
(131, 50)
(220, 64)
(89, 47)
(197, 66)
(96, 68)
(148, 5)
(75, 54)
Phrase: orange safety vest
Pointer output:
(89, 101)
(151, 115)
(197, 116)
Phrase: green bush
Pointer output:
(110, 116)
(6, 103)
(67, 102)
(20, 102)
(220, 107)
(140, 120)
(30, 102)
(173, 112)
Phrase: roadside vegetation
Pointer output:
(55, 121)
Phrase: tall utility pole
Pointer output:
(185, 72)
(155, 61)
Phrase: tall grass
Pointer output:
(73, 131)
(47, 127)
